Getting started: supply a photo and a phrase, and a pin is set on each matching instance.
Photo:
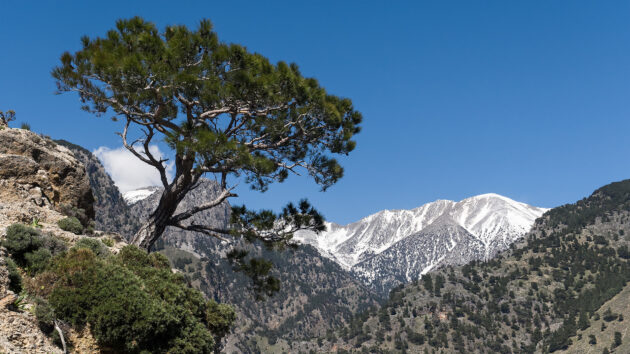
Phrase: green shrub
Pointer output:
(20, 240)
(108, 242)
(37, 260)
(54, 244)
(219, 318)
(74, 212)
(25, 126)
(15, 279)
(94, 245)
(30, 249)
(71, 224)
(45, 315)
(133, 302)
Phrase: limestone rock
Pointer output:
(20, 334)
(37, 173)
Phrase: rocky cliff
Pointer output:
(38, 179)
(36, 174)
(111, 211)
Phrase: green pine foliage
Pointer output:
(222, 110)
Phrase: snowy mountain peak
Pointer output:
(134, 196)
(494, 220)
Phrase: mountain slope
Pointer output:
(533, 298)
(611, 317)
(134, 196)
(316, 294)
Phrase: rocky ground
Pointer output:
(38, 180)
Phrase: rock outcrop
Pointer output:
(38, 179)
(38, 175)
(112, 212)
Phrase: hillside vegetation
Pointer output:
(315, 296)
(544, 295)
(131, 301)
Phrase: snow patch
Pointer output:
(132, 197)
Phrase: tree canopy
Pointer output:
(223, 110)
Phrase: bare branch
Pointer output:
(148, 157)
(246, 111)
(227, 193)
(157, 164)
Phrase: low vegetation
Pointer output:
(71, 224)
(131, 301)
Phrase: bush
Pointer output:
(37, 260)
(74, 212)
(133, 302)
(45, 315)
(20, 240)
(219, 318)
(26, 246)
(71, 224)
(54, 244)
(94, 245)
(15, 279)
(108, 242)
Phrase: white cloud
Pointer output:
(127, 171)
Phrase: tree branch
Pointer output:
(227, 193)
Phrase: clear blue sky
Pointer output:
(527, 99)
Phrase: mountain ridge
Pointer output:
(492, 223)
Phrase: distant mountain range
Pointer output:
(394, 247)
(397, 246)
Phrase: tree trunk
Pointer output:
(157, 222)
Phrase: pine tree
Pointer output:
(223, 111)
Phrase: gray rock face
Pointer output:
(35, 171)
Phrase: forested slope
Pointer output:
(534, 298)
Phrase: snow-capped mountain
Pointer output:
(442, 242)
(403, 244)
(134, 196)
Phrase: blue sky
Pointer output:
(527, 99)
